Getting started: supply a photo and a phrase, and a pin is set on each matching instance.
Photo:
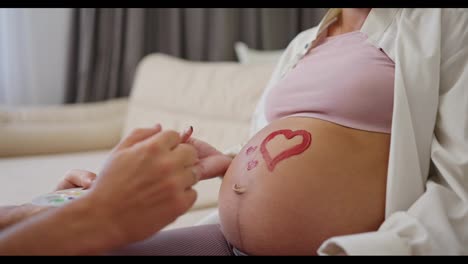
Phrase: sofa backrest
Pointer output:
(53, 129)
(216, 98)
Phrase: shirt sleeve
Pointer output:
(437, 223)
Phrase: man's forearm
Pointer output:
(75, 229)
(10, 215)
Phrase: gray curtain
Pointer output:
(108, 43)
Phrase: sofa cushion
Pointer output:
(22, 179)
(216, 98)
(62, 128)
(246, 55)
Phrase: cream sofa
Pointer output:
(39, 144)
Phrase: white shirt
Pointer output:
(427, 181)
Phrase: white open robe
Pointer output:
(427, 184)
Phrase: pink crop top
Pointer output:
(344, 80)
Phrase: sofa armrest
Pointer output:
(61, 129)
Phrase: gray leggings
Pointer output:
(204, 240)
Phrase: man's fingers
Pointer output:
(204, 149)
(138, 135)
(185, 154)
(186, 134)
(190, 177)
(190, 198)
(76, 178)
(213, 166)
(168, 139)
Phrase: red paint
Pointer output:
(296, 150)
(252, 164)
(251, 150)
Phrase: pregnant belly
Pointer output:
(300, 181)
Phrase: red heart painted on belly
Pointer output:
(295, 150)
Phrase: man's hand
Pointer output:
(146, 183)
(10, 215)
(211, 162)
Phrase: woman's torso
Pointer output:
(329, 178)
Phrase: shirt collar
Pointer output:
(378, 20)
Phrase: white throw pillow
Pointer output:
(246, 55)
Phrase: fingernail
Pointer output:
(197, 174)
(187, 133)
(188, 130)
(89, 181)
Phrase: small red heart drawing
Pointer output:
(252, 164)
(250, 150)
(295, 150)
